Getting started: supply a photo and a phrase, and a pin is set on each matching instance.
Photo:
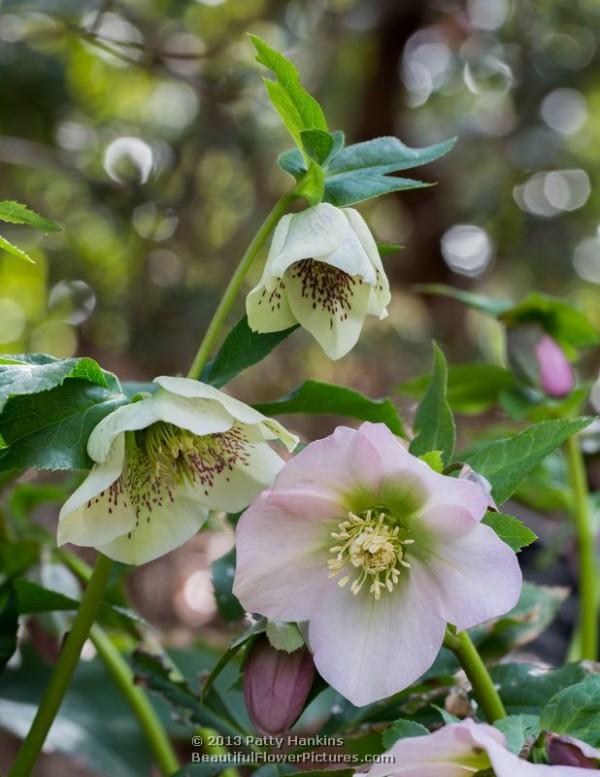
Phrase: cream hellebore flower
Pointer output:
(377, 553)
(163, 463)
(323, 272)
(462, 750)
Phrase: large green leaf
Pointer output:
(297, 108)
(14, 250)
(472, 388)
(434, 423)
(314, 397)
(518, 730)
(241, 349)
(34, 372)
(16, 213)
(506, 462)
(49, 430)
(526, 688)
(511, 530)
(576, 711)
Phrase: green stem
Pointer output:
(588, 615)
(220, 316)
(483, 687)
(137, 700)
(63, 670)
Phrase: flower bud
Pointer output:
(566, 751)
(276, 686)
(537, 358)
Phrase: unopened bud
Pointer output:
(537, 358)
(276, 686)
(567, 751)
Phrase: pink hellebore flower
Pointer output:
(377, 552)
(460, 750)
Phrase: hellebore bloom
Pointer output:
(537, 358)
(378, 553)
(276, 686)
(162, 463)
(460, 750)
(323, 272)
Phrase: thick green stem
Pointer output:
(63, 670)
(220, 317)
(137, 700)
(483, 687)
(588, 615)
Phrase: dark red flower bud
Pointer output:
(566, 751)
(276, 686)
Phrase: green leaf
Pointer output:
(511, 530)
(223, 571)
(493, 307)
(575, 711)
(284, 636)
(297, 108)
(518, 730)
(11, 248)
(242, 348)
(16, 558)
(434, 460)
(9, 626)
(317, 143)
(472, 388)
(506, 462)
(402, 729)
(434, 423)
(526, 688)
(386, 249)
(312, 186)
(16, 213)
(316, 398)
(50, 429)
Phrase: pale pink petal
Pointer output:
(473, 574)
(556, 374)
(368, 650)
(452, 751)
(281, 567)
(505, 764)
(440, 489)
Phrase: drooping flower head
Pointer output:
(162, 463)
(461, 750)
(377, 552)
(323, 272)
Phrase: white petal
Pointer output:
(159, 532)
(368, 650)
(380, 294)
(194, 389)
(93, 514)
(269, 311)
(336, 332)
(198, 418)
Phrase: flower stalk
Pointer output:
(483, 687)
(235, 284)
(588, 615)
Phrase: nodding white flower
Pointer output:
(323, 272)
(163, 463)
(376, 553)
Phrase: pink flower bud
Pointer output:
(566, 751)
(276, 686)
(537, 358)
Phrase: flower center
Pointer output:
(329, 287)
(369, 543)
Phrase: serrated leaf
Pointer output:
(50, 429)
(11, 248)
(575, 711)
(242, 348)
(314, 397)
(511, 530)
(507, 461)
(22, 374)
(434, 423)
(472, 388)
(402, 729)
(16, 213)
(490, 305)
(297, 108)
(518, 730)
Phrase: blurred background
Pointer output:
(142, 127)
